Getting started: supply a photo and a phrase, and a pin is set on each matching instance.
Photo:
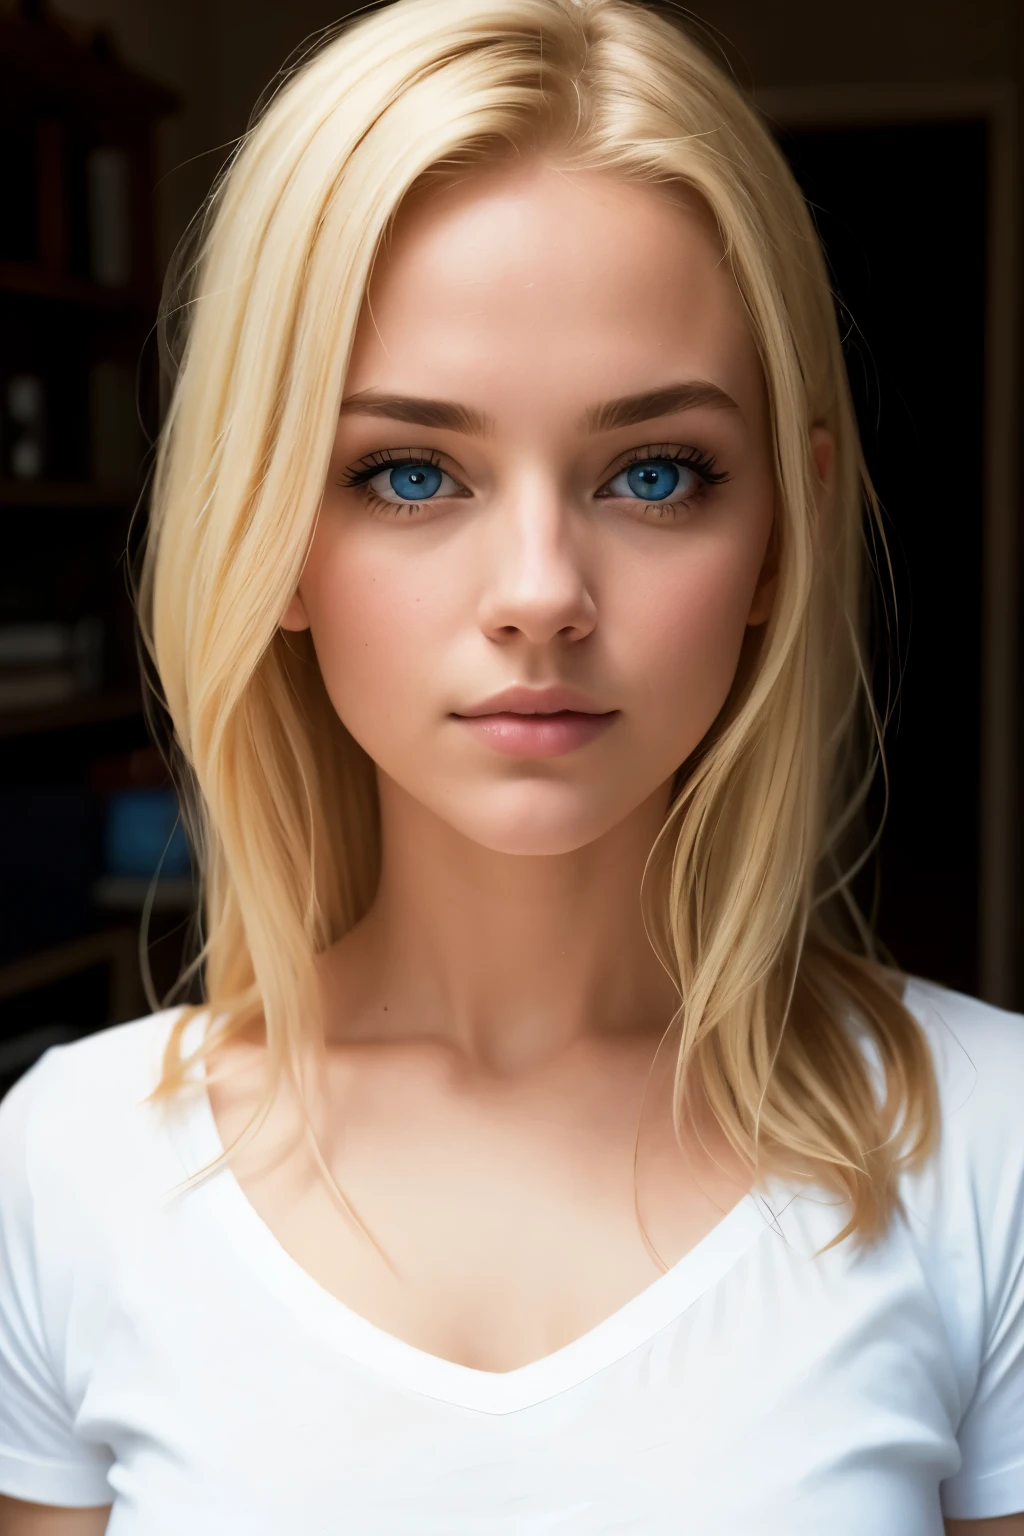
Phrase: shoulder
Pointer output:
(973, 1190)
(941, 1010)
(86, 1165)
(93, 1074)
(978, 1053)
(966, 1217)
(76, 1123)
(83, 1162)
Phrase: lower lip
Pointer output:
(537, 735)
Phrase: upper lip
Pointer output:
(534, 701)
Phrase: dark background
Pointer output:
(899, 121)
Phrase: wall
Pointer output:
(822, 41)
(220, 54)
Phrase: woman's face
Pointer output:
(552, 473)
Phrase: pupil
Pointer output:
(653, 480)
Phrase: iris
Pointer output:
(414, 482)
(654, 479)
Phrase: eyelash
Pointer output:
(358, 474)
(700, 464)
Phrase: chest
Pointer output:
(745, 1391)
(499, 1227)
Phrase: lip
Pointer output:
(536, 722)
(518, 700)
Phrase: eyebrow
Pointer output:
(633, 409)
(417, 411)
(629, 411)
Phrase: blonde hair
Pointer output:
(753, 915)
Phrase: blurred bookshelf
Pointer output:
(60, 493)
(86, 814)
(84, 709)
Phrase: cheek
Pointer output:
(372, 620)
(686, 632)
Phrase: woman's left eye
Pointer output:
(658, 480)
(415, 481)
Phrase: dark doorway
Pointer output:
(902, 214)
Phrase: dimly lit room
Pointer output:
(137, 877)
(900, 125)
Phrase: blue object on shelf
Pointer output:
(144, 834)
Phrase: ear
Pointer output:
(823, 452)
(295, 615)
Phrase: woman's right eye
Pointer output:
(415, 481)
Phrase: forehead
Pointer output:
(581, 275)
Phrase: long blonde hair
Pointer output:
(752, 915)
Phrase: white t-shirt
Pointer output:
(166, 1355)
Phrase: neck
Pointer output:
(509, 959)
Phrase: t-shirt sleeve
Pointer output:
(41, 1460)
(990, 1144)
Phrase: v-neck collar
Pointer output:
(415, 1370)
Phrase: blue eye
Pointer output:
(653, 480)
(414, 481)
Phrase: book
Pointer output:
(42, 664)
(108, 195)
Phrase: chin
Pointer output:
(535, 846)
(537, 819)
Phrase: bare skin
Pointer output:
(20, 1519)
(491, 1025)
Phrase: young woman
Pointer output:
(552, 1153)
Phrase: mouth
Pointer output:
(533, 703)
(538, 733)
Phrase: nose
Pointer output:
(536, 584)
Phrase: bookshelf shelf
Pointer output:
(24, 280)
(89, 709)
(112, 945)
(61, 493)
(128, 893)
